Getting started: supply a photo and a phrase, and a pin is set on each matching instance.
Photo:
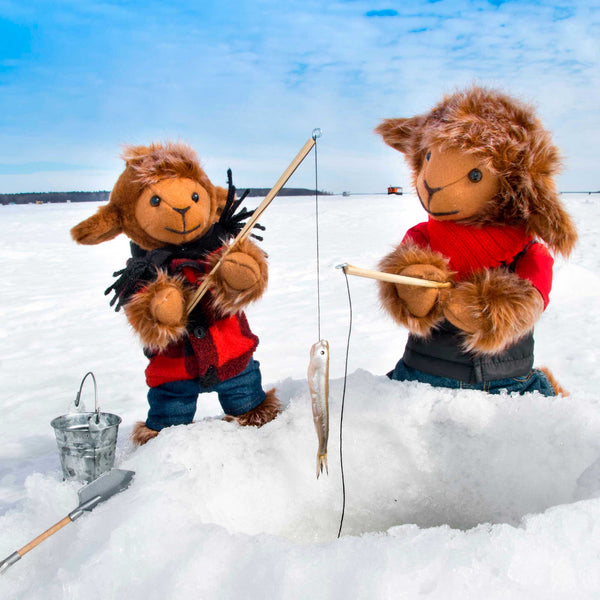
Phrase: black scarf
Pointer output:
(142, 267)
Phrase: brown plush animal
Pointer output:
(179, 223)
(483, 167)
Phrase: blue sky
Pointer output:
(246, 82)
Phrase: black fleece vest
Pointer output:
(441, 355)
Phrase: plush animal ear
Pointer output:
(101, 227)
(221, 196)
(400, 134)
(551, 222)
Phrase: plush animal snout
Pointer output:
(174, 211)
(454, 185)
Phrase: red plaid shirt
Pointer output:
(217, 349)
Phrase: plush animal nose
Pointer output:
(431, 191)
(182, 211)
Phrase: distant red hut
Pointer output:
(395, 190)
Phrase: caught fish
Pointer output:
(318, 382)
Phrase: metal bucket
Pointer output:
(86, 441)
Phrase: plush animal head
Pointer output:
(481, 157)
(162, 197)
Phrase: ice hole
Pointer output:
(412, 455)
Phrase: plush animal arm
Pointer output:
(157, 312)
(241, 279)
(416, 308)
(494, 309)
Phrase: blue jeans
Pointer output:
(174, 403)
(534, 381)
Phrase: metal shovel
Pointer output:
(90, 496)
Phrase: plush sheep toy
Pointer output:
(178, 223)
(483, 167)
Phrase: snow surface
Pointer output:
(449, 494)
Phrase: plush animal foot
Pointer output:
(241, 279)
(266, 411)
(142, 434)
(559, 389)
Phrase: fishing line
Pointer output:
(316, 134)
(342, 410)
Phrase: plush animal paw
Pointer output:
(142, 434)
(241, 279)
(461, 309)
(416, 308)
(420, 300)
(266, 411)
(494, 309)
(167, 306)
(157, 312)
(240, 271)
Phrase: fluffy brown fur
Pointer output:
(227, 300)
(505, 134)
(141, 434)
(164, 161)
(159, 181)
(154, 334)
(396, 303)
(502, 136)
(144, 165)
(494, 309)
(266, 411)
(559, 389)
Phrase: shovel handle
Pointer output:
(9, 561)
(40, 538)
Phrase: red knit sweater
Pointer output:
(471, 249)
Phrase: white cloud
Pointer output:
(249, 83)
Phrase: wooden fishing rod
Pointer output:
(245, 232)
(351, 270)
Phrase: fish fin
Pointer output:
(322, 462)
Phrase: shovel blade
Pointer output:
(107, 485)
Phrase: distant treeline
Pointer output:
(283, 192)
(44, 197)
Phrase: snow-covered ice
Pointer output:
(449, 494)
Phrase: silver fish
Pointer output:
(318, 382)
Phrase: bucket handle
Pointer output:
(78, 397)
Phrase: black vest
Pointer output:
(441, 354)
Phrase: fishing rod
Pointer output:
(391, 278)
(203, 287)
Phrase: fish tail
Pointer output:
(322, 462)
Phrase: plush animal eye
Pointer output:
(155, 200)
(428, 156)
(475, 175)
(195, 197)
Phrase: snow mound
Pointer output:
(437, 483)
